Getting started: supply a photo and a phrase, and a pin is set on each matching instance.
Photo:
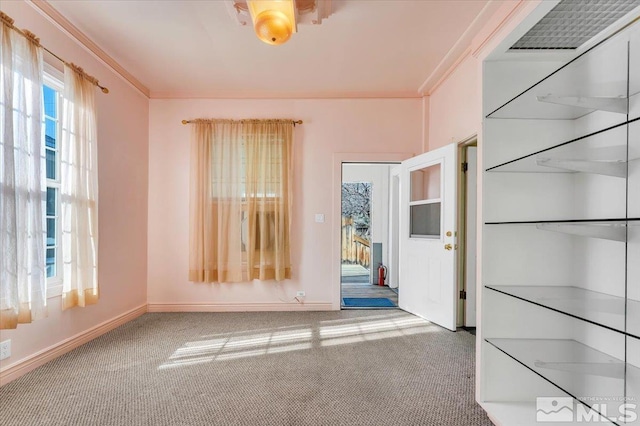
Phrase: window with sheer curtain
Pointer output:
(48, 187)
(240, 200)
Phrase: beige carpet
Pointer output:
(325, 368)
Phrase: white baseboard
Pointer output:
(13, 371)
(238, 307)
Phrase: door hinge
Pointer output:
(463, 295)
(465, 167)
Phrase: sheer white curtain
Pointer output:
(22, 180)
(79, 190)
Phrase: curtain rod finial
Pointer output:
(185, 122)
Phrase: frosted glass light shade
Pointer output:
(273, 27)
(273, 20)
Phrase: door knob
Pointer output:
(448, 247)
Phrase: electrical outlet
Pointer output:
(300, 294)
(5, 349)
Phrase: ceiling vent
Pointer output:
(572, 23)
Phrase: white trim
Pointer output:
(54, 287)
(459, 50)
(272, 94)
(13, 371)
(499, 18)
(54, 79)
(238, 307)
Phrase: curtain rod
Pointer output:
(185, 122)
(31, 36)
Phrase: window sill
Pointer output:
(54, 288)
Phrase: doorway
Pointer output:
(365, 237)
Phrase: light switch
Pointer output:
(319, 218)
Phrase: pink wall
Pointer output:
(330, 126)
(455, 102)
(123, 177)
(455, 106)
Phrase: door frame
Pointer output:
(463, 244)
(336, 210)
(394, 225)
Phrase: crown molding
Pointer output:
(485, 28)
(66, 26)
(214, 94)
(509, 16)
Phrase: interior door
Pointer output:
(428, 236)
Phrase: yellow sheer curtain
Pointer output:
(79, 190)
(268, 195)
(240, 200)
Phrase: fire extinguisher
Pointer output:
(382, 274)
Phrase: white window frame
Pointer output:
(54, 79)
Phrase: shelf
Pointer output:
(572, 137)
(604, 231)
(596, 308)
(595, 153)
(608, 229)
(576, 369)
(525, 414)
(594, 81)
(610, 104)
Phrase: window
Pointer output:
(425, 206)
(51, 136)
(223, 187)
(240, 200)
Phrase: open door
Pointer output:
(428, 236)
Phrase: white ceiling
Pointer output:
(195, 48)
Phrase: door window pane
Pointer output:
(425, 220)
(425, 183)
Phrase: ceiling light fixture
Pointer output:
(273, 20)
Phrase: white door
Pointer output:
(428, 236)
